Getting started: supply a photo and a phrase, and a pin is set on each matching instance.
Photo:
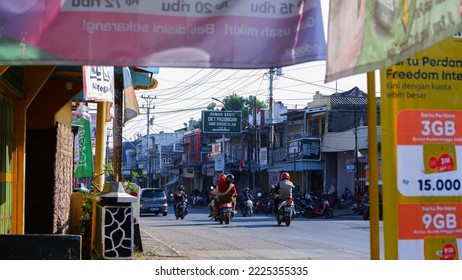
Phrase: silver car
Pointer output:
(153, 201)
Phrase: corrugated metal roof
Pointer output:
(341, 100)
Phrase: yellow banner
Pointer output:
(421, 121)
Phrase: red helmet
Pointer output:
(285, 176)
(222, 179)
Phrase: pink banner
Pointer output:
(169, 33)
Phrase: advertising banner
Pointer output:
(98, 83)
(368, 35)
(422, 141)
(168, 33)
(84, 168)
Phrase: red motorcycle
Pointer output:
(286, 212)
(320, 207)
(225, 212)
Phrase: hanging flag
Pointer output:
(241, 163)
(131, 108)
(368, 35)
(84, 167)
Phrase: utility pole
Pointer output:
(356, 149)
(271, 132)
(148, 99)
(117, 127)
(108, 134)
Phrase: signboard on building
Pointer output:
(206, 149)
(220, 163)
(221, 121)
(188, 172)
(306, 149)
(310, 148)
(263, 156)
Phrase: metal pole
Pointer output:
(373, 167)
(117, 126)
(271, 132)
(148, 154)
(224, 154)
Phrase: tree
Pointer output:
(235, 102)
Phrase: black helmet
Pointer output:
(246, 189)
(230, 178)
(180, 188)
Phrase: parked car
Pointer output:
(154, 201)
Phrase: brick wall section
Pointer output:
(63, 180)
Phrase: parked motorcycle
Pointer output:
(319, 208)
(270, 206)
(366, 206)
(225, 212)
(181, 209)
(247, 208)
(286, 212)
(198, 200)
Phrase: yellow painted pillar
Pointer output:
(100, 156)
(34, 79)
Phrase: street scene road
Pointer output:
(197, 237)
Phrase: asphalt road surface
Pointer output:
(259, 237)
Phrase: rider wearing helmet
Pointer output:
(271, 191)
(283, 190)
(179, 196)
(226, 192)
(246, 195)
(212, 200)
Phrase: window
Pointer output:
(153, 193)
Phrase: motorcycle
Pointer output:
(269, 207)
(225, 212)
(286, 212)
(247, 207)
(366, 206)
(260, 205)
(181, 209)
(319, 208)
(198, 200)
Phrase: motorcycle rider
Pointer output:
(246, 195)
(283, 190)
(212, 193)
(213, 203)
(178, 197)
(226, 192)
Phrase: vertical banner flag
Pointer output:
(98, 83)
(85, 163)
(422, 138)
(168, 33)
(368, 35)
(131, 108)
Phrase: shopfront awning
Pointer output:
(298, 166)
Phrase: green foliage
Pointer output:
(87, 210)
(131, 187)
(235, 102)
